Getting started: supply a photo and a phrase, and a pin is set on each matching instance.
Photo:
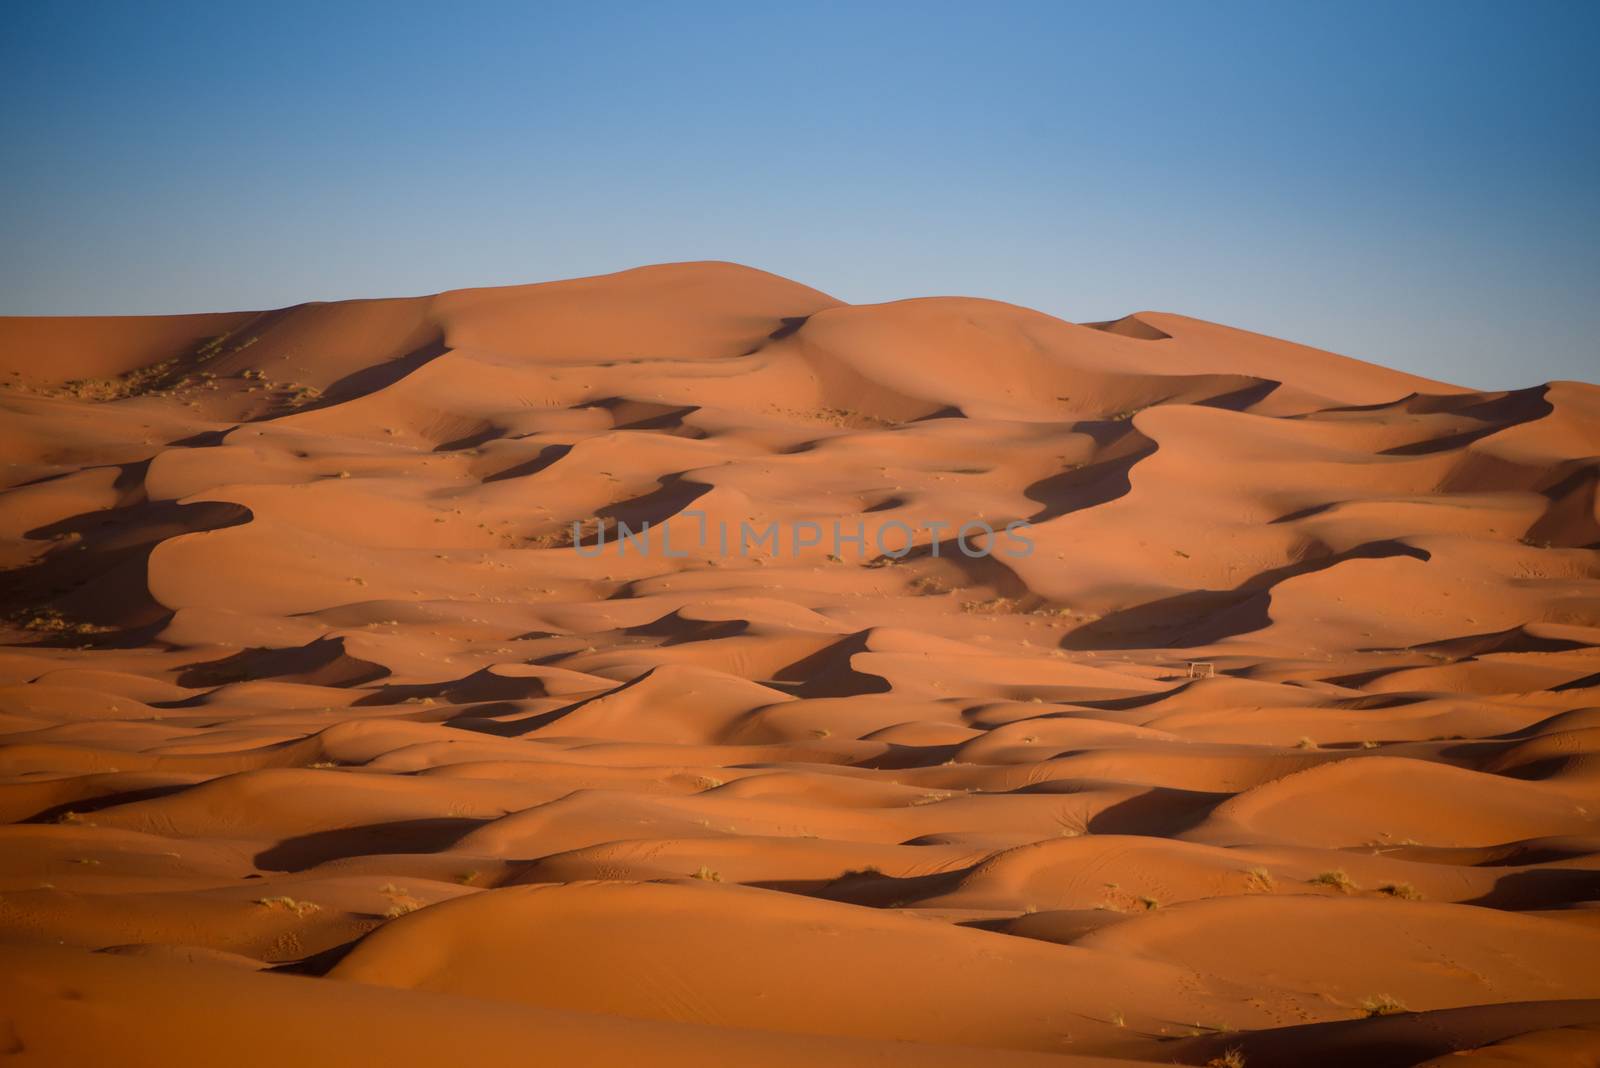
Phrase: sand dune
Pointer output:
(321, 658)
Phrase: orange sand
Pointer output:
(300, 674)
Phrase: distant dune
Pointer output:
(1280, 744)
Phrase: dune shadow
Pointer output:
(1131, 327)
(547, 456)
(85, 805)
(1494, 413)
(1541, 888)
(400, 836)
(1159, 812)
(323, 662)
(870, 888)
(93, 580)
(630, 414)
(674, 629)
(1570, 519)
(317, 964)
(1243, 398)
(828, 672)
(481, 685)
(1093, 484)
(1202, 617)
(900, 757)
(377, 376)
(674, 494)
(1399, 1040)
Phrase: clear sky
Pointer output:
(1416, 183)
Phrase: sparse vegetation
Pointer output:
(1259, 879)
(1403, 891)
(706, 874)
(145, 380)
(51, 621)
(1337, 880)
(401, 900)
(168, 378)
(299, 908)
(1057, 611)
(1382, 1005)
(844, 418)
(993, 606)
(1233, 1057)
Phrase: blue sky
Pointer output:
(1416, 183)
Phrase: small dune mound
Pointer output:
(1130, 326)
(682, 949)
(1351, 952)
(1386, 800)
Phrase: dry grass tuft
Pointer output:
(1382, 1005)
(1336, 879)
(995, 606)
(51, 621)
(299, 908)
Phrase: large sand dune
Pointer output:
(1282, 746)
